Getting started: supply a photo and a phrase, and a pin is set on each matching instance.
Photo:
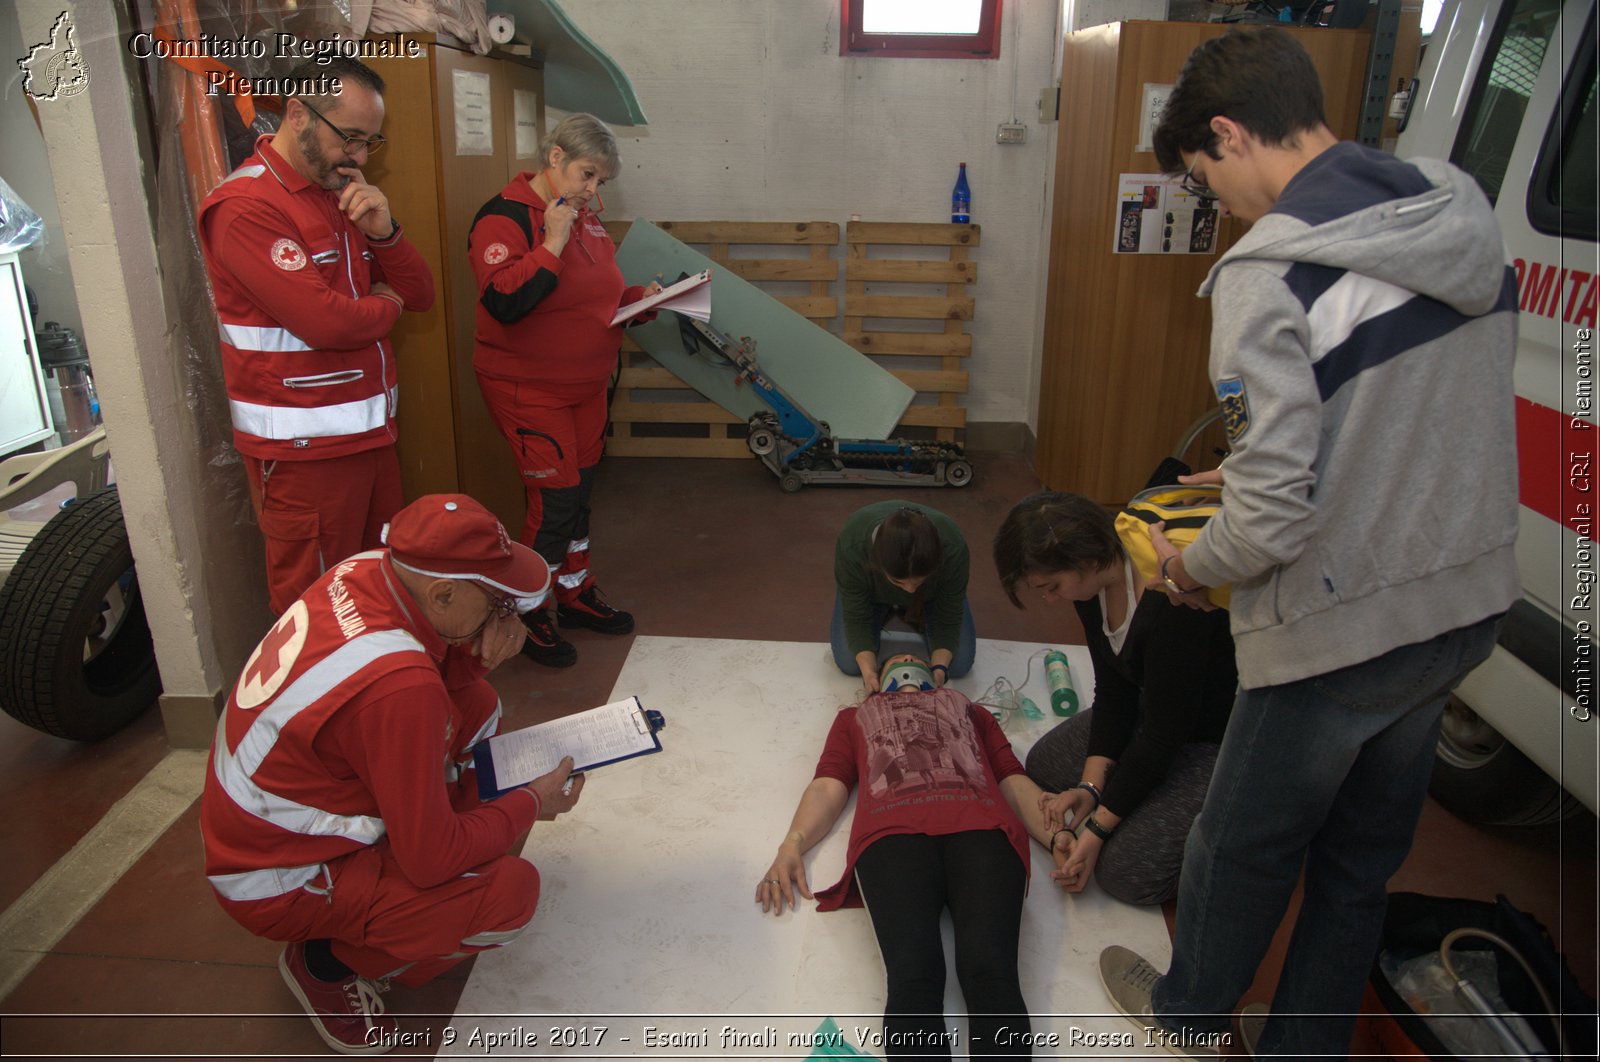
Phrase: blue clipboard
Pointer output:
(490, 784)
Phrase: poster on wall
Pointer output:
(1155, 215)
(526, 108)
(1153, 101)
(474, 125)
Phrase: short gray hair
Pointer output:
(583, 136)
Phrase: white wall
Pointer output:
(1081, 14)
(754, 115)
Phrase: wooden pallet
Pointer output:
(893, 311)
(655, 414)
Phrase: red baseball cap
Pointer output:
(451, 536)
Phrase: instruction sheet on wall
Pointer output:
(473, 113)
(1155, 215)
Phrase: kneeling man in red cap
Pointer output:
(341, 812)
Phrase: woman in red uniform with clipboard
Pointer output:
(544, 352)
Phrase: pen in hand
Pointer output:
(559, 200)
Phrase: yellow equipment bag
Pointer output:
(1185, 510)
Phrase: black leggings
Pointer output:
(907, 880)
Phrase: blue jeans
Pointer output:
(966, 650)
(1328, 773)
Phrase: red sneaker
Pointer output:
(348, 1014)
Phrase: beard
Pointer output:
(324, 170)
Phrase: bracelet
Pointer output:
(939, 667)
(1095, 828)
(1093, 790)
(1058, 833)
(1174, 587)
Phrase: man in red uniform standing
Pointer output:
(341, 811)
(309, 273)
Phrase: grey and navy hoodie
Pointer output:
(1361, 349)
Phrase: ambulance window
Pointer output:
(1505, 82)
(1562, 197)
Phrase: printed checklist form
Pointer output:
(690, 296)
(607, 734)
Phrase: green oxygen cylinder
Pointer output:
(1063, 698)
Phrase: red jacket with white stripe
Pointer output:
(309, 368)
(342, 731)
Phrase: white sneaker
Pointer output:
(1128, 981)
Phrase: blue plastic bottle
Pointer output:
(1063, 698)
(961, 199)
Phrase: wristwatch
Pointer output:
(1095, 828)
(1174, 587)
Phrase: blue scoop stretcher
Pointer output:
(800, 449)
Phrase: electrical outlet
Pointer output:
(1011, 133)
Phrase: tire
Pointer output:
(791, 482)
(761, 442)
(1481, 777)
(957, 474)
(76, 658)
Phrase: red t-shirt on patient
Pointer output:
(925, 762)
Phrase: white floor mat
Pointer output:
(647, 917)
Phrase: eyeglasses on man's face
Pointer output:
(1196, 186)
(499, 605)
(352, 143)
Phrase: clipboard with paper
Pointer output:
(608, 734)
(690, 296)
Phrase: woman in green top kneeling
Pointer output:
(897, 558)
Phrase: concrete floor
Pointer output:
(147, 963)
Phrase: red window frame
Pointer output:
(984, 44)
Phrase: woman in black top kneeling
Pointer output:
(1132, 773)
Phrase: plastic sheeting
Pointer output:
(199, 139)
(19, 226)
(465, 20)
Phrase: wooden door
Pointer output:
(1126, 341)
(435, 186)
(483, 457)
(407, 172)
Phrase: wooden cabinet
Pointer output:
(448, 442)
(1126, 341)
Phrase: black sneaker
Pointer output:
(544, 645)
(587, 610)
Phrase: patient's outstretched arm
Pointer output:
(785, 880)
(1023, 795)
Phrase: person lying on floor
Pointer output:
(942, 821)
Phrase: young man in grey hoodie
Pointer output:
(1361, 349)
